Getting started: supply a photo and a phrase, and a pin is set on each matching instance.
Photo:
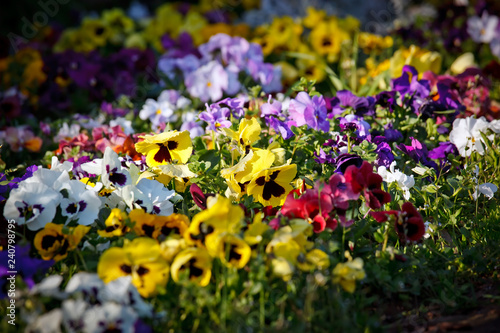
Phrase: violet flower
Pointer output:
(443, 150)
(346, 99)
(345, 160)
(418, 152)
(311, 111)
(482, 29)
(216, 117)
(26, 266)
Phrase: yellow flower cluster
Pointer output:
(291, 248)
(23, 69)
(261, 173)
(112, 27)
(173, 244)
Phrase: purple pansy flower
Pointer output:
(418, 152)
(311, 111)
(443, 150)
(346, 99)
(280, 126)
(216, 117)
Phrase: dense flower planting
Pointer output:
(181, 170)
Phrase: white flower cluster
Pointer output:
(89, 305)
(36, 199)
(404, 181)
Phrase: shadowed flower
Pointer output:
(195, 263)
(231, 250)
(115, 224)
(347, 273)
(408, 223)
(54, 243)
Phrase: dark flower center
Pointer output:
(194, 272)
(148, 230)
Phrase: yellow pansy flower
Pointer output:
(271, 186)
(423, 60)
(312, 260)
(196, 263)
(141, 258)
(180, 173)
(220, 216)
(248, 132)
(115, 224)
(347, 273)
(174, 225)
(327, 37)
(253, 234)
(313, 17)
(54, 243)
(165, 148)
(231, 250)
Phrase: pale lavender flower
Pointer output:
(189, 123)
(482, 29)
(207, 82)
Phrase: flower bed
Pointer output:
(184, 171)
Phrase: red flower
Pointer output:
(409, 224)
(308, 207)
(364, 180)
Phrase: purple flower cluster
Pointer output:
(213, 68)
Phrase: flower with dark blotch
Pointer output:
(271, 186)
(140, 258)
(408, 223)
(231, 250)
(193, 263)
(115, 224)
(54, 243)
(165, 148)
(33, 204)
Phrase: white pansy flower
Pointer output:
(67, 132)
(33, 204)
(162, 111)
(488, 189)
(466, 135)
(404, 181)
(112, 172)
(72, 314)
(109, 317)
(49, 322)
(150, 195)
(81, 204)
